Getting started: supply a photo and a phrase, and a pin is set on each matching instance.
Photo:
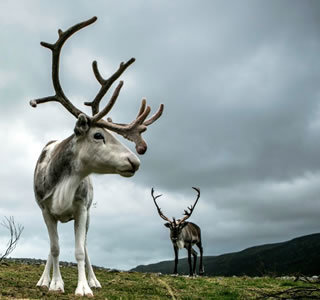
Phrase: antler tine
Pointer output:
(155, 117)
(191, 208)
(142, 107)
(56, 50)
(110, 104)
(105, 85)
(133, 131)
(158, 208)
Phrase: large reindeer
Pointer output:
(184, 235)
(62, 186)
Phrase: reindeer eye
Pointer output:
(98, 136)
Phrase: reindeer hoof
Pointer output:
(89, 295)
(57, 286)
(94, 283)
(83, 289)
(44, 282)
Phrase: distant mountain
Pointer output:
(298, 256)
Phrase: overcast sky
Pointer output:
(240, 81)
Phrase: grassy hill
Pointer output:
(297, 256)
(18, 281)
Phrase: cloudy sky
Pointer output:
(240, 85)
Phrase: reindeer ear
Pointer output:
(167, 224)
(82, 125)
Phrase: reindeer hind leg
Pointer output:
(92, 279)
(194, 254)
(201, 267)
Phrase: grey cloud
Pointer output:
(239, 81)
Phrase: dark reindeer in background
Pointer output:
(184, 235)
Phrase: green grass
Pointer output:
(19, 280)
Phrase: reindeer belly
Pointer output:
(65, 217)
(61, 210)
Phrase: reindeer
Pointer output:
(62, 185)
(184, 235)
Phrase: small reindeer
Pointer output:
(184, 235)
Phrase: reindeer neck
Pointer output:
(65, 163)
(63, 174)
(57, 164)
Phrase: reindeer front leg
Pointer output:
(176, 259)
(80, 221)
(53, 258)
(189, 248)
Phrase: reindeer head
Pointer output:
(174, 225)
(98, 146)
(100, 152)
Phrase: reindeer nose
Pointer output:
(134, 162)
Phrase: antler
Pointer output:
(130, 131)
(133, 131)
(158, 208)
(56, 50)
(105, 85)
(191, 208)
